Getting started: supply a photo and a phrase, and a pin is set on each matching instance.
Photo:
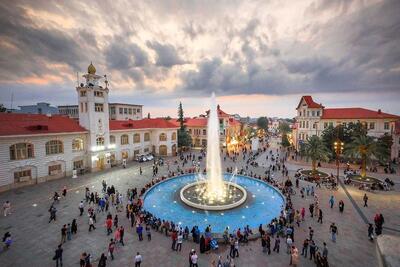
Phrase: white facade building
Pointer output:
(35, 148)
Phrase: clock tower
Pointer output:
(94, 116)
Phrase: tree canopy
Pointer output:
(184, 138)
(262, 123)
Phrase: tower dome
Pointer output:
(91, 69)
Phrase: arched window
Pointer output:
(146, 137)
(54, 147)
(112, 139)
(124, 139)
(21, 151)
(163, 137)
(162, 150)
(77, 144)
(173, 136)
(136, 138)
(100, 141)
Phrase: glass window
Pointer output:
(190, 131)
(124, 139)
(125, 111)
(21, 151)
(318, 113)
(100, 141)
(136, 138)
(386, 125)
(77, 144)
(372, 125)
(130, 111)
(78, 164)
(313, 113)
(22, 176)
(55, 169)
(121, 110)
(173, 136)
(204, 132)
(98, 107)
(112, 139)
(163, 137)
(83, 93)
(54, 147)
(146, 137)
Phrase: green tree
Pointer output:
(363, 147)
(2, 108)
(284, 128)
(184, 138)
(384, 146)
(285, 141)
(315, 150)
(262, 123)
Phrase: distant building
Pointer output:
(39, 108)
(312, 118)
(71, 111)
(117, 111)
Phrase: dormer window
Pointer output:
(98, 93)
(83, 93)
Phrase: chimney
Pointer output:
(379, 111)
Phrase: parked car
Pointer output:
(149, 157)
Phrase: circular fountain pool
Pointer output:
(263, 203)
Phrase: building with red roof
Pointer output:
(312, 118)
(36, 148)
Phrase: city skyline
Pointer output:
(254, 55)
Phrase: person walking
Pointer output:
(102, 260)
(91, 224)
(6, 208)
(341, 206)
(63, 234)
(121, 235)
(138, 259)
(277, 244)
(294, 256)
(74, 227)
(305, 248)
(109, 225)
(365, 198)
(334, 231)
(111, 247)
(148, 232)
(174, 237)
(194, 258)
(58, 256)
(331, 201)
(320, 216)
(179, 241)
(139, 231)
(81, 208)
(325, 251)
(313, 249)
(69, 232)
(289, 243)
(53, 212)
(370, 232)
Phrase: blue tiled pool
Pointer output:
(264, 203)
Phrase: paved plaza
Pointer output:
(35, 239)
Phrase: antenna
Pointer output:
(12, 100)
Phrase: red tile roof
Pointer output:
(355, 113)
(33, 124)
(221, 113)
(233, 122)
(310, 102)
(397, 128)
(142, 124)
(192, 122)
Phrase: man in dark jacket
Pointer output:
(58, 256)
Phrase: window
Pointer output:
(55, 169)
(77, 144)
(21, 151)
(54, 147)
(163, 137)
(136, 138)
(307, 124)
(22, 176)
(98, 107)
(146, 150)
(130, 111)
(86, 109)
(134, 111)
(124, 154)
(299, 113)
(100, 141)
(204, 132)
(331, 124)
(146, 137)
(314, 125)
(83, 93)
(313, 113)
(386, 125)
(372, 125)
(78, 164)
(81, 107)
(125, 111)
(124, 139)
(318, 113)
(112, 110)
(308, 113)
(190, 131)
(138, 110)
(98, 93)
(121, 110)
(136, 152)
(325, 125)
(204, 142)
(112, 139)
(173, 137)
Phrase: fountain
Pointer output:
(213, 193)
(221, 200)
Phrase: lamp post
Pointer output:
(338, 146)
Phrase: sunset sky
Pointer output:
(259, 57)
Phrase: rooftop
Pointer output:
(355, 113)
(142, 124)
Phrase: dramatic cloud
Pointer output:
(173, 49)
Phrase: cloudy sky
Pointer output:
(258, 56)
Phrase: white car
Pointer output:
(149, 157)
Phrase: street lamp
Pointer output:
(338, 146)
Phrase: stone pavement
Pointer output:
(35, 239)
